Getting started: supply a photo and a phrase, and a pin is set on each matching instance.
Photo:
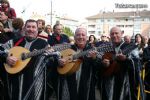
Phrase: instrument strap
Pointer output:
(19, 41)
(42, 36)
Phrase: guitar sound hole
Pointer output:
(23, 56)
(11, 54)
(69, 58)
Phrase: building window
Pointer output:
(102, 20)
(128, 26)
(108, 20)
(91, 32)
(98, 21)
(99, 32)
(126, 19)
(92, 21)
(120, 25)
(91, 26)
(146, 19)
(137, 26)
(99, 27)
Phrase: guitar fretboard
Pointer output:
(38, 52)
(102, 48)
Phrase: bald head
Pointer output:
(127, 39)
(80, 37)
(116, 35)
(115, 28)
(81, 29)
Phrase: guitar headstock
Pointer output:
(105, 47)
(129, 48)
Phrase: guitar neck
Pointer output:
(102, 48)
(38, 52)
(80, 54)
(34, 53)
(61, 47)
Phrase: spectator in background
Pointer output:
(146, 60)
(1, 27)
(18, 25)
(55, 39)
(145, 39)
(58, 37)
(8, 29)
(1, 32)
(48, 29)
(139, 41)
(105, 38)
(5, 6)
(41, 27)
(15, 33)
(71, 38)
(127, 39)
(7, 23)
(92, 40)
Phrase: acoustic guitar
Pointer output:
(25, 55)
(73, 61)
(115, 66)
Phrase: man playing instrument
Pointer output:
(81, 84)
(29, 83)
(118, 77)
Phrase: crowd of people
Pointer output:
(38, 62)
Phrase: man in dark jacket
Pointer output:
(57, 38)
(80, 85)
(28, 83)
(118, 71)
(146, 60)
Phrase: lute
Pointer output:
(115, 66)
(25, 55)
(73, 61)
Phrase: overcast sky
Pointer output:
(78, 9)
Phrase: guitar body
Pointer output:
(23, 53)
(71, 66)
(21, 64)
(114, 66)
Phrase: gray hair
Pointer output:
(115, 28)
(80, 28)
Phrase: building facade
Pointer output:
(68, 22)
(131, 23)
